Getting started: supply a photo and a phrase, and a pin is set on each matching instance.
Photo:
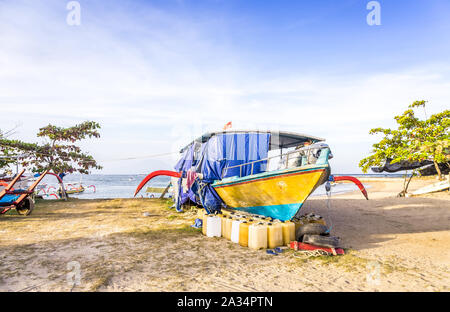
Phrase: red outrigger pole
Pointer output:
(178, 175)
(354, 180)
(155, 174)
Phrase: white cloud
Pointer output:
(155, 81)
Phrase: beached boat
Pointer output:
(74, 188)
(234, 169)
(435, 187)
(278, 194)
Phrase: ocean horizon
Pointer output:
(124, 185)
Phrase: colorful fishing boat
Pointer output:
(234, 169)
(278, 194)
(74, 188)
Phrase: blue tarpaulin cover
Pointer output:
(227, 150)
(186, 162)
(214, 157)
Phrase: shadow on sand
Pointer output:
(363, 224)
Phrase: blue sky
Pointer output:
(155, 74)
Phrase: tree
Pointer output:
(4, 161)
(413, 140)
(58, 153)
(7, 155)
(430, 138)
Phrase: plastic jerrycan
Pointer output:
(257, 236)
(243, 232)
(224, 226)
(213, 226)
(228, 225)
(235, 230)
(223, 218)
(274, 235)
(288, 228)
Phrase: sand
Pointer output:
(392, 244)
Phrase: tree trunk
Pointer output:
(403, 192)
(438, 170)
(410, 178)
(62, 189)
(63, 192)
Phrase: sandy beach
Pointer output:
(392, 244)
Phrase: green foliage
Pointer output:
(4, 153)
(7, 154)
(58, 153)
(413, 140)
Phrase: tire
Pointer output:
(26, 207)
(310, 228)
(322, 241)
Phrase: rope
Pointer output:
(89, 161)
(328, 190)
(311, 253)
(140, 157)
(92, 161)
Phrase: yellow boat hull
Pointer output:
(278, 194)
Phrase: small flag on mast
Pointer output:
(228, 125)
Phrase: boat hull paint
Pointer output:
(278, 194)
(281, 212)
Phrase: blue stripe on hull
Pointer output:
(281, 212)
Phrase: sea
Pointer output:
(104, 186)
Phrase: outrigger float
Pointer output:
(234, 169)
